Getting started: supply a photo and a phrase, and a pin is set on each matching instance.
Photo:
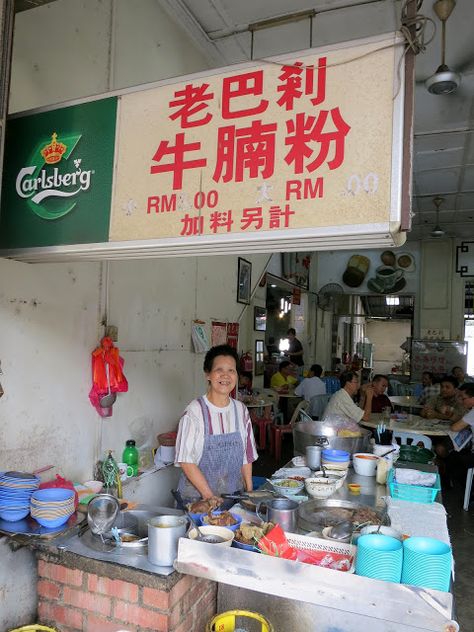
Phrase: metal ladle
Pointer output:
(342, 530)
(201, 537)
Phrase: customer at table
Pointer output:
(312, 385)
(430, 388)
(459, 462)
(215, 447)
(342, 402)
(379, 398)
(446, 405)
(461, 376)
(283, 379)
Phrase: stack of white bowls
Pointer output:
(52, 507)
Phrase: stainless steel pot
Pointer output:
(305, 433)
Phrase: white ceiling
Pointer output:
(444, 130)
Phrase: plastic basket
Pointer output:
(305, 543)
(413, 493)
(34, 627)
(226, 621)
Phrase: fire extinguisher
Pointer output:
(246, 362)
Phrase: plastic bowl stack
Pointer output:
(335, 459)
(379, 557)
(427, 563)
(15, 492)
(52, 507)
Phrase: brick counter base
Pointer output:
(76, 593)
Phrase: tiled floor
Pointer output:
(461, 529)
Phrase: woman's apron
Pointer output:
(221, 461)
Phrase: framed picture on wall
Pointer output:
(259, 365)
(260, 318)
(244, 281)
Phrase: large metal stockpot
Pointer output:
(306, 432)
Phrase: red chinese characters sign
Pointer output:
(294, 144)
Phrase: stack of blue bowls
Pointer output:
(15, 492)
(379, 557)
(427, 562)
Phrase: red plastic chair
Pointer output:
(263, 423)
(276, 432)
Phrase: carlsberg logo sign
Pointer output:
(48, 184)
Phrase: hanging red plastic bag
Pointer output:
(62, 483)
(107, 375)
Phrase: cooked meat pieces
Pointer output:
(224, 519)
(203, 506)
(365, 514)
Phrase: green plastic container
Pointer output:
(415, 454)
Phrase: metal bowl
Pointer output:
(305, 433)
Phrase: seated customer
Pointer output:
(461, 376)
(379, 399)
(445, 405)
(245, 383)
(283, 378)
(342, 404)
(312, 385)
(459, 462)
(430, 389)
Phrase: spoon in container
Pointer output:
(201, 537)
(342, 530)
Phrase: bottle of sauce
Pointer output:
(130, 456)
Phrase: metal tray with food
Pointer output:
(315, 515)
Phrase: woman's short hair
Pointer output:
(219, 350)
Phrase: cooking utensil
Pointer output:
(317, 514)
(342, 530)
(210, 539)
(102, 511)
(107, 400)
(383, 516)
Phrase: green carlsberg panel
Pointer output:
(57, 180)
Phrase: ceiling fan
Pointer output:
(437, 230)
(444, 80)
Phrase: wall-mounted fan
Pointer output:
(327, 296)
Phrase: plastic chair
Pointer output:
(276, 432)
(333, 384)
(318, 404)
(262, 423)
(467, 490)
(415, 438)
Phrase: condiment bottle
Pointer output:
(383, 467)
(130, 456)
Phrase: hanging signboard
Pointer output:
(298, 152)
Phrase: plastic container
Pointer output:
(130, 455)
(234, 620)
(413, 493)
(364, 463)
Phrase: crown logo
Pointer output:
(53, 152)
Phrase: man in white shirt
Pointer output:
(459, 462)
(342, 404)
(312, 385)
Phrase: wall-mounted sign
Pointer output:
(295, 153)
(57, 183)
(465, 259)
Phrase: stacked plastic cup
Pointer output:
(427, 562)
(379, 557)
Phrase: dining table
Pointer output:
(409, 423)
(405, 401)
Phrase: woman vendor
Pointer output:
(215, 446)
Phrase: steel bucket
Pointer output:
(306, 432)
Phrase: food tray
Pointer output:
(413, 493)
(315, 514)
(305, 543)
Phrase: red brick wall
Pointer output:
(71, 599)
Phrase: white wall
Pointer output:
(75, 48)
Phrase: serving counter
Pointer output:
(301, 597)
